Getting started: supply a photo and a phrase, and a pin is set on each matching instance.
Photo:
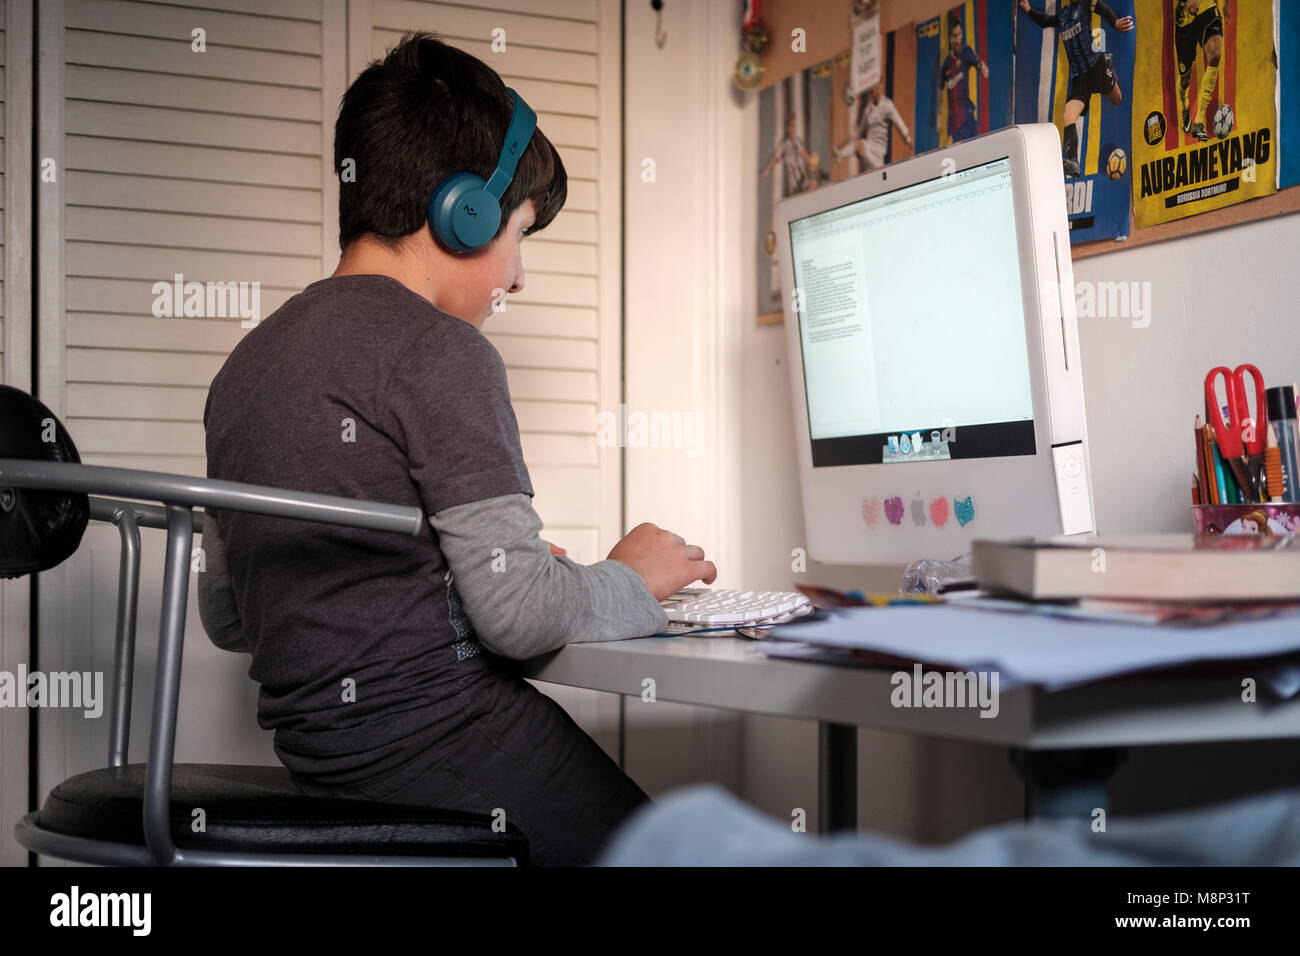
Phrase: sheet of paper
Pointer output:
(1030, 649)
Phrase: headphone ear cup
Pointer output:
(475, 217)
(462, 214)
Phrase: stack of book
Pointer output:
(1155, 578)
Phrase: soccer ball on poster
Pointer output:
(1223, 121)
(1116, 164)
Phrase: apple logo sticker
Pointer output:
(894, 509)
(918, 510)
(939, 512)
(964, 509)
(871, 511)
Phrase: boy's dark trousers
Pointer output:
(523, 754)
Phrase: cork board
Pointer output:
(1280, 203)
(828, 34)
(827, 25)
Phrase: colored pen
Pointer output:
(1273, 467)
(1282, 415)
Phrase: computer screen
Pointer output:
(911, 324)
(934, 352)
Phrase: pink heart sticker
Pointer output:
(894, 509)
(871, 511)
(939, 512)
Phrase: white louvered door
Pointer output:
(204, 164)
(211, 164)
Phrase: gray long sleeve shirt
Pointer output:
(523, 600)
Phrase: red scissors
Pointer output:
(1240, 434)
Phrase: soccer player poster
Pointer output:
(794, 148)
(1074, 68)
(1289, 93)
(878, 122)
(1204, 116)
(963, 72)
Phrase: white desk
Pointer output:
(1045, 732)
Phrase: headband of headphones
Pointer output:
(523, 121)
(465, 212)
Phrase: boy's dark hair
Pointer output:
(424, 112)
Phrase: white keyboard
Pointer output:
(692, 609)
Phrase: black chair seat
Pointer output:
(260, 810)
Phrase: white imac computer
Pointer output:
(934, 356)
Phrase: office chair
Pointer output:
(125, 815)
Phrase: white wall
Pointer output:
(1218, 298)
(689, 299)
(682, 345)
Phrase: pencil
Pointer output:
(1211, 467)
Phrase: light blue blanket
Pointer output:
(707, 826)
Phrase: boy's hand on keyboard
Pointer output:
(664, 560)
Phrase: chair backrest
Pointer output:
(38, 529)
(47, 474)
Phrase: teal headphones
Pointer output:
(464, 211)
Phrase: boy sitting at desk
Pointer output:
(379, 656)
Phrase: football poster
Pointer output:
(875, 127)
(963, 72)
(795, 150)
(1074, 69)
(1204, 113)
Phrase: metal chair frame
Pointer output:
(178, 495)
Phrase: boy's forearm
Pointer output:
(524, 601)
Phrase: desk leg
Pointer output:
(1065, 784)
(837, 777)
